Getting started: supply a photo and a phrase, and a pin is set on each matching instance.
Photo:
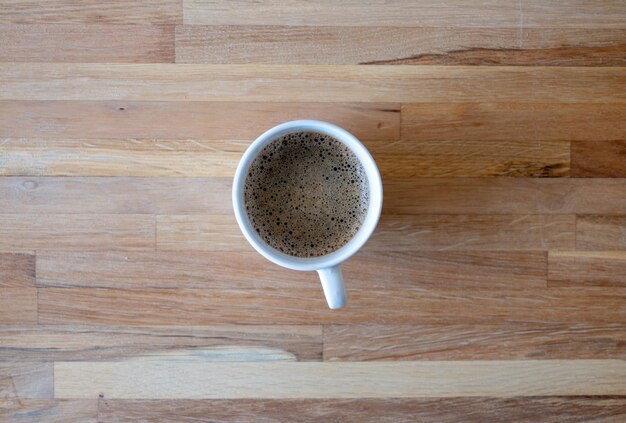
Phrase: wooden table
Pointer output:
(493, 290)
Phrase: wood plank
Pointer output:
(90, 12)
(25, 381)
(187, 121)
(99, 195)
(599, 159)
(225, 270)
(586, 268)
(601, 233)
(17, 270)
(206, 343)
(320, 83)
(199, 233)
(372, 410)
(53, 411)
(452, 13)
(493, 341)
(18, 305)
(574, 14)
(139, 380)
(462, 159)
(150, 306)
(87, 43)
(77, 232)
(513, 121)
(505, 196)
(285, 44)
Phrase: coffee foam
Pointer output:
(306, 194)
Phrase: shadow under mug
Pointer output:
(327, 266)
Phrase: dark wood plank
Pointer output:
(408, 410)
(77, 232)
(17, 270)
(87, 43)
(491, 341)
(209, 343)
(51, 411)
(587, 268)
(601, 233)
(91, 12)
(573, 14)
(24, 380)
(224, 270)
(18, 305)
(148, 307)
(505, 196)
(599, 159)
(512, 121)
(199, 121)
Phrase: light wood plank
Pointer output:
(17, 270)
(139, 380)
(452, 13)
(150, 307)
(574, 14)
(586, 268)
(505, 196)
(18, 305)
(112, 195)
(87, 43)
(224, 270)
(52, 411)
(91, 12)
(453, 159)
(203, 343)
(320, 83)
(188, 121)
(601, 233)
(513, 121)
(572, 409)
(200, 233)
(20, 381)
(599, 159)
(77, 232)
(530, 341)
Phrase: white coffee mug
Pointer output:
(328, 266)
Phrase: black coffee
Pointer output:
(306, 194)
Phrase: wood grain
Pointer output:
(17, 270)
(76, 232)
(184, 120)
(574, 14)
(601, 233)
(95, 195)
(281, 83)
(18, 305)
(87, 43)
(207, 343)
(513, 121)
(599, 159)
(53, 411)
(492, 341)
(150, 306)
(25, 381)
(389, 410)
(449, 159)
(200, 233)
(90, 12)
(452, 13)
(586, 268)
(224, 270)
(135, 380)
(505, 196)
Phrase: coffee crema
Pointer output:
(306, 194)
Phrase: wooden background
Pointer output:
(494, 288)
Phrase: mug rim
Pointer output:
(374, 188)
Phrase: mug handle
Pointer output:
(332, 284)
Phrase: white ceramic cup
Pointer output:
(328, 266)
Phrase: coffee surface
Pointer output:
(306, 194)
